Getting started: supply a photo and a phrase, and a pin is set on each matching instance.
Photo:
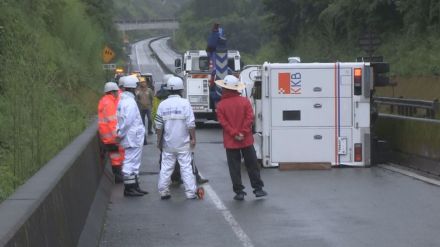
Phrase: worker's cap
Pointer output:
(110, 86)
(231, 82)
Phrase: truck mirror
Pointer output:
(177, 63)
(178, 70)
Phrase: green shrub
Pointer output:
(50, 82)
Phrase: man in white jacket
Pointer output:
(176, 137)
(131, 132)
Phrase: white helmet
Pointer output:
(174, 83)
(110, 86)
(121, 81)
(130, 81)
(166, 77)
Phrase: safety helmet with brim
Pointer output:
(231, 82)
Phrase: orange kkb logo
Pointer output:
(289, 83)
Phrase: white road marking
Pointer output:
(236, 228)
(137, 58)
(411, 174)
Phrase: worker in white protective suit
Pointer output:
(132, 133)
(176, 137)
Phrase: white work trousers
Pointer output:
(167, 168)
(132, 161)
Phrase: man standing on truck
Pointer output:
(213, 40)
(235, 115)
(107, 122)
(176, 137)
(132, 133)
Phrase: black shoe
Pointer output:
(201, 180)
(136, 186)
(240, 196)
(132, 192)
(141, 191)
(150, 132)
(165, 197)
(260, 193)
(145, 143)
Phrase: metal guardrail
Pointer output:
(411, 108)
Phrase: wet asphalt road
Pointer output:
(337, 207)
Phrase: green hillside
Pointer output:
(50, 79)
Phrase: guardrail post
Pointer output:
(434, 109)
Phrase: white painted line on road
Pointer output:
(137, 58)
(411, 174)
(236, 228)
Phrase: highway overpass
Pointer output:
(154, 24)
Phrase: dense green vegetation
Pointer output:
(325, 30)
(132, 10)
(50, 78)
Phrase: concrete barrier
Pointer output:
(64, 203)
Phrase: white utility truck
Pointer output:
(308, 113)
(197, 70)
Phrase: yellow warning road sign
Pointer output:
(107, 54)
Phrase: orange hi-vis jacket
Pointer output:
(107, 122)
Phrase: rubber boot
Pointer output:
(137, 188)
(130, 190)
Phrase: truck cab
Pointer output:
(197, 70)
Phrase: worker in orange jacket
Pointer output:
(107, 121)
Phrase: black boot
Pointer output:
(130, 190)
(137, 188)
(201, 180)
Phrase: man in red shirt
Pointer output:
(236, 116)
